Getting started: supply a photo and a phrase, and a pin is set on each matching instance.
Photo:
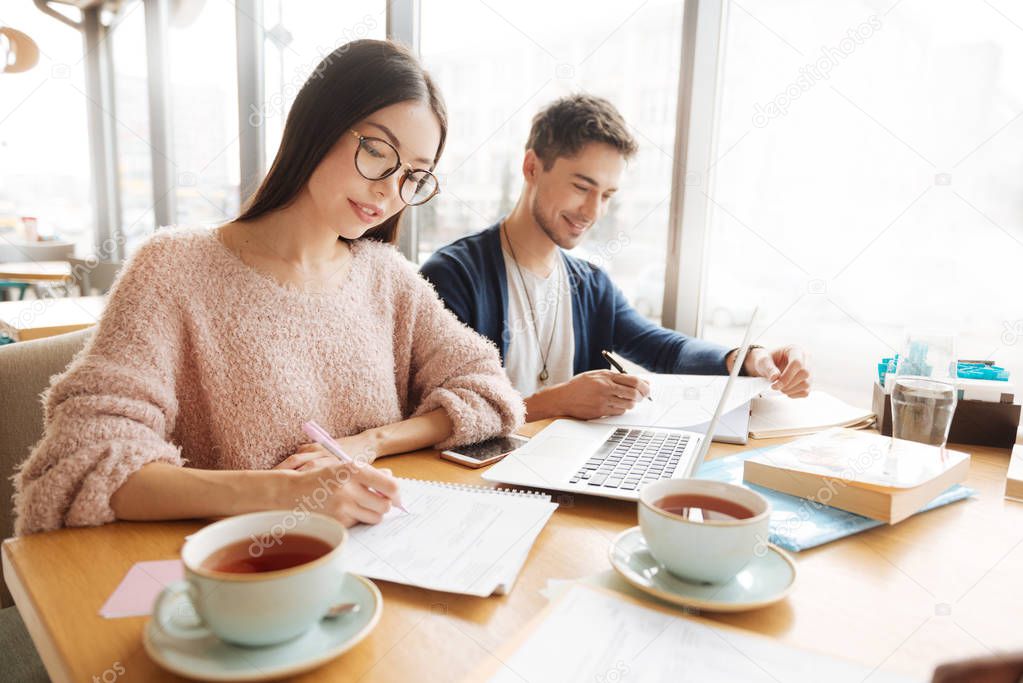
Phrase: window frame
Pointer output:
(703, 23)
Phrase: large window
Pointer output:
(298, 37)
(519, 57)
(131, 125)
(44, 145)
(866, 175)
(868, 178)
(204, 114)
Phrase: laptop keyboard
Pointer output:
(631, 458)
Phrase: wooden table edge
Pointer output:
(51, 331)
(36, 278)
(56, 667)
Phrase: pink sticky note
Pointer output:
(135, 595)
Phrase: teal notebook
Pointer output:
(798, 523)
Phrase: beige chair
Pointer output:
(25, 371)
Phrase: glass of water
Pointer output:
(923, 389)
(922, 409)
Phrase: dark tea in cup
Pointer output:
(256, 579)
(284, 552)
(703, 530)
(700, 507)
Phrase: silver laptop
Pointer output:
(610, 461)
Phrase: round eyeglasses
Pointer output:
(376, 159)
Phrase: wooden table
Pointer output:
(942, 585)
(37, 318)
(36, 271)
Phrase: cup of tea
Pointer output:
(255, 579)
(701, 530)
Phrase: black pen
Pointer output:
(618, 366)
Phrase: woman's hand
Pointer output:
(362, 448)
(343, 491)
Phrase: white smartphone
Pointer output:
(485, 452)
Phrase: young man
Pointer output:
(550, 314)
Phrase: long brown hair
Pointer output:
(350, 83)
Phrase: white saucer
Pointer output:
(765, 580)
(211, 659)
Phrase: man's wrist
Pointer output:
(535, 409)
(733, 355)
(540, 405)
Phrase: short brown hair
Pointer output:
(565, 126)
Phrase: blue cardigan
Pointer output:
(469, 274)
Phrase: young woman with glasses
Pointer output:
(216, 346)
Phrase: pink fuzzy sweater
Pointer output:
(201, 360)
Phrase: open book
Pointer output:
(457, 538)
(775, 415)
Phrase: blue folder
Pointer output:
(798, 523)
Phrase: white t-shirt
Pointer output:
(552, 308)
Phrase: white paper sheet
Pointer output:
(591, 635)
(686, 401)
(456, 539)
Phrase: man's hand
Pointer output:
(785, 367)
(596, 393)
(311, 456)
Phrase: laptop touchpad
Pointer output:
(562, 456)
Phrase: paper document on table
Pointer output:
(590, 634)
(686, 401)
(459, 539)
(138, 590)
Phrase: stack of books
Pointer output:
(861, 472)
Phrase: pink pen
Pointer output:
(320, 436)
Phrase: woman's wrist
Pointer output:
(377, 441)
(256, 490)
(413, 434)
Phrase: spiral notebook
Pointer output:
(456, 538)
